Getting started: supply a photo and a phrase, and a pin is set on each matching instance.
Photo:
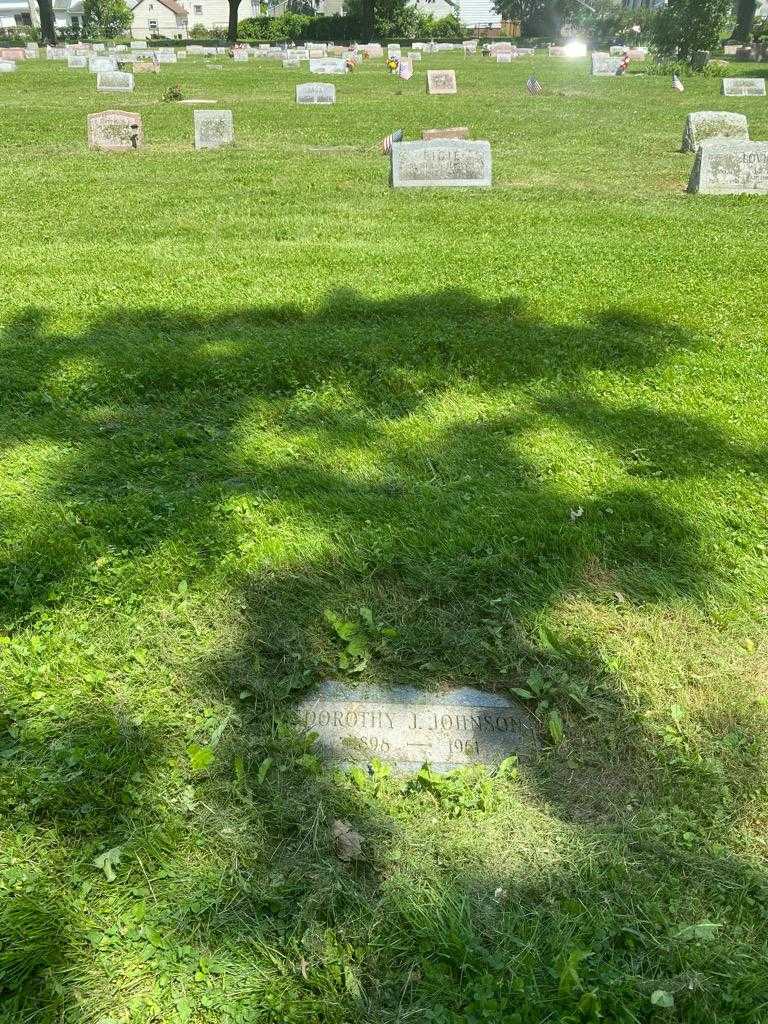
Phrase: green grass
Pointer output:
(244, 388)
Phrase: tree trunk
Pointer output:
(745, 17)
(47, 23)
(366, 21)
(232, 30)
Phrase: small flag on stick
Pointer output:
(533, 85)
(386, 144)
(624, 64)
(405, 70)
(677, 85)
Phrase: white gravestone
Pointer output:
(316, 93)
(114, 81)
(724, 168)
(504, 57)
(240, 56)
(139, 44)
(407, 727)
(6, 66)
(115, 130)
(76, 63)
(441, 163)
(441, 83)
(327, 66)
(291, 63)
(713, 124)
(213, 129)
(743, 86)
(604, 65)
(96, 65)
(165, 57)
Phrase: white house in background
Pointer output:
(327, 7)
(67, 14)
(159, 18)
(18, 14)
(471, 13)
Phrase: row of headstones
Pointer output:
(115, 130)
(726, 161)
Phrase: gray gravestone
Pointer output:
(316, 93)
(291, 63)
(441, 163)
(76, 63)
(115, 130)
(743, 87)
(97, 65)
(724, 168)
(114, 81)
(713, 124)
(408, 727)
(605, 66)
(213, 129)
(441, 83)
(700, 59)
(327, 66)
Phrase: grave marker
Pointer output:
(441, 163)
(441, 83)
(327, 66)
(713, 124)
(114, 81)
(604, 65)
(213, 129)
(6, 66)
(316, 93)
(114, 130)
(724, 168)
(407, 727)
(743, 87)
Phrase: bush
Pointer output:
(667, 68)
(201, 32)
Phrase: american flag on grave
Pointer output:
(677, 85)
(533, 85)
(624, 64)
(386, 144)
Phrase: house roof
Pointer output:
(170, 4)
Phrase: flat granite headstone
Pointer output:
(327, 66)
(441, 83)
(115, 130)
(316, 93)
(213, 129)
(713, 124)
(441, 163)
(444, 133)
(77, 63)
(114, 81)
(96, 65)
(725, 168)
(408, 727)
(743, 87)
(13, 53)
(7, 66)
(604, 66)
(146, 67)
(291, 63)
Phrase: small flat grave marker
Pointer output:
(713, 124)
(444, 133)
(114, 130)
(441, 163)
(407, 727)
(743, 86)
(441, 83)
(6, 66)
(726, 168)
(213, 129)
(316, 93)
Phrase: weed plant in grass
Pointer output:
(516, 437)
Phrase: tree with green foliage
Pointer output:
(745, 20)
(106, 18)
(685, 26)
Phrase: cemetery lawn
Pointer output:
(513, 438)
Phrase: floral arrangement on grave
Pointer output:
(392, 65)
(173, 94)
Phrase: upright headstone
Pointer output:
(77, 63)
(743, 86)
(321, 93)
(327, 66)
(240, 55)
(505, 57)
(139, 44)
(97, 65)
(213, 129)
(13, 53)
(700, 59)
(165, 57)
(114, 81)
(604, 65)
(32, 51)
(115, 130)
(713, 124)
(441, 163)
(724, 168)
(441, 83)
